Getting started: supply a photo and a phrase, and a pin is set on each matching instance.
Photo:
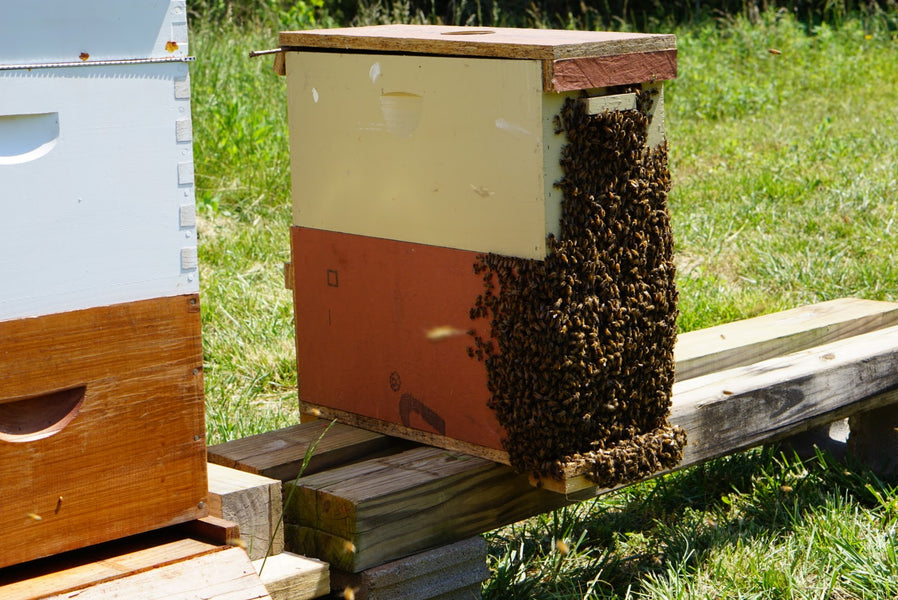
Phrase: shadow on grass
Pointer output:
(674, 523)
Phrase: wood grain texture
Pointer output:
(497, 42)
(279, 454)
(213, 529)
(452, 571)
(220, 574)
(570, 74)
(81, 568)
(253, 502)
(133, 458)
(759, 338)
(366, 514)
(289, 576)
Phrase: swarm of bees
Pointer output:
(579, 359)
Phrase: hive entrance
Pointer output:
(580, 355)
(38, 417)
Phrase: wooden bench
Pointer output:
(366, 499)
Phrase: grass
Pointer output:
(785, 170)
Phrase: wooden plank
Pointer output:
(220, 574)
(502, 42)
(364, 515)
(453, 571)
(133, 458)
(759, 338)
(279, 454)
(79, 569)
(253, 502)
(289, 576)
(746, 406)
(570, 74)
(214, 529)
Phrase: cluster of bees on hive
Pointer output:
(579, 359)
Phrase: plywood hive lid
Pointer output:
(572, 60)
(498, 42)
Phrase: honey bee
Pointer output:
(443, 332)
(593, 320)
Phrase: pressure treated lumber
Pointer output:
(288, 576)
(130, 455)
(253, 502)
(279, 454)
(453, 571)
(363, 515)
(751, 340)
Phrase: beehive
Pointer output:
(436, 171)
(101, 405)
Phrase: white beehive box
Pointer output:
(101, 405)
(95, 159)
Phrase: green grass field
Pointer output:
(785, 192)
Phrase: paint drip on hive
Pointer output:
(580, 359)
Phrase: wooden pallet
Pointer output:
(781, 374)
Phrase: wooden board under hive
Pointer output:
(101, 388)
(466, 223)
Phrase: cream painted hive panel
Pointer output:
(442, 151)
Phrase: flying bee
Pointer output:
(443, 332)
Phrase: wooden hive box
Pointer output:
(101, 386)
(415, 150)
